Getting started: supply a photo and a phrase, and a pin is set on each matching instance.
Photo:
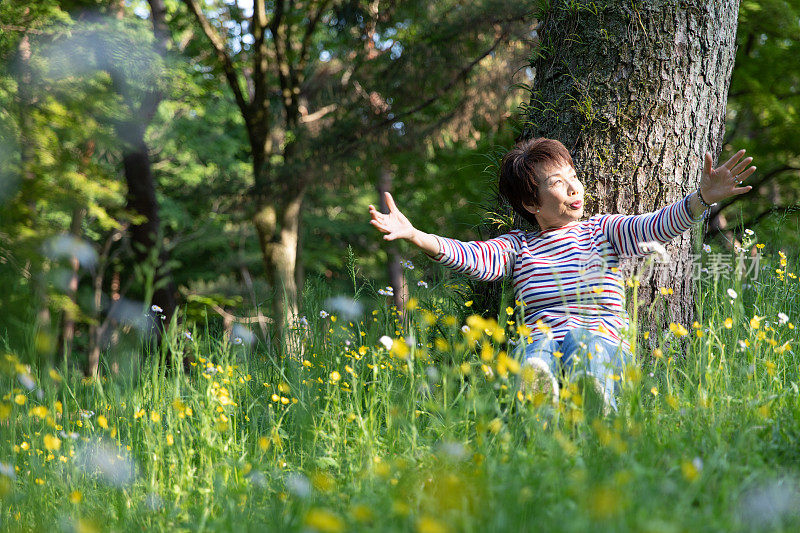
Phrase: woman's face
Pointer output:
(560, 196)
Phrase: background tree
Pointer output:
(637, 93)
(762, 118)
(277, 75)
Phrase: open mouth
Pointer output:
(576, 205)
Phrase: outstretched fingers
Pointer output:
(741, 166)
(707, 164)
(390, 201)
(730, 163)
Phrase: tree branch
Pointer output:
(259, 50)
(222, 56)
(462, 74)
(284, 68)
(310, 28)
(761, 181)
(775, 209)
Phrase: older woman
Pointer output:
(566, 273)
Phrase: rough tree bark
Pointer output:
(637, 92)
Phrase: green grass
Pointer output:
(427, 437)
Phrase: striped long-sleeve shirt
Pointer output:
(568, 277)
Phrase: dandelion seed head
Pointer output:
(243, 334)
(453, 450)
(109, 463)
(769, 504)
(153, 502)
(345, 306)
(298, 484)
(26, 381)
(8, 471)
(67, 246)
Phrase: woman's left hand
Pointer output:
(724, 182)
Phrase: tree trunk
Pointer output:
(141, 195)
(637, 93)
(146, 237)
(396, 278)
(277, 222)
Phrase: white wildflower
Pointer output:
(465, 328)
(749, 232)
(732, 294)
(386, 341)
(706, 248)
(783, 318)
(323, 314)
(388, 291)
(423, 284)
(156, 309)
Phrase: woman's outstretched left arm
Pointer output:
(627, 232)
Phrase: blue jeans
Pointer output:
(583, 351)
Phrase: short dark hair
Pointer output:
(519, 182)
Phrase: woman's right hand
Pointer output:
(394, 224)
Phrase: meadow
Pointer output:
(377, 421)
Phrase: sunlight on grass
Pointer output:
(417, 422)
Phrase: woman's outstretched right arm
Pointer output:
(483, 260)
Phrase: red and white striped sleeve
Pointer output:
(482, 260)
(626, 233)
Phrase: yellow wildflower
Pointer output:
(52, 442)
(324, 521)
(678, 329)
(39, 410)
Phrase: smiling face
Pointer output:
(560, 196)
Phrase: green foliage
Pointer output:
(763, 108)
